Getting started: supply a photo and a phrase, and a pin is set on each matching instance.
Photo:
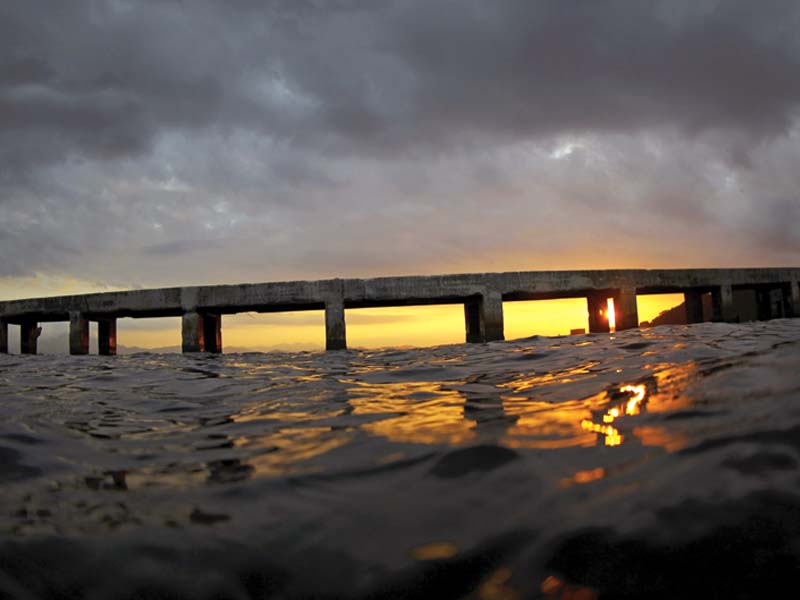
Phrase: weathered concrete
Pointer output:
(693, 301)
(335, 328)
(78, 333)
(769, 303)
(626, 313)
(107, 337)
(491, 316)
(722, 303)
(483, 318)
(481, 295)
(212, 332)
(29, 336)
(192, 332)
(472, 321)
(597, 305)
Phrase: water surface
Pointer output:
(658, 463)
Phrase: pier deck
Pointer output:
(777, 294)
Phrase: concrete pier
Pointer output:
(107, 337)
(483, 316)
(78, 333)
(212, 332)
(693, 301)
(794, 298)
(192, 331)
(767, 293)
(626, 313)
(29, 336)
(335, 328)
(597, 305)
(722, 304)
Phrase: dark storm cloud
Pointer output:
(134, 135)
(102, 78)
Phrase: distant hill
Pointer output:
(677, 314)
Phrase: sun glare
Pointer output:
(612, 318)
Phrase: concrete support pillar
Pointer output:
(598, 313)
(483, 318)
(472, 321)
(335, 329)
(764, 310)
(212, 332)
(29, 336)
(626, 313)
(793, 299)
(3, 337)
(78, 333)
(693, 301)
(192, 332)
(722, 304)
(107, 337)
(492, 316)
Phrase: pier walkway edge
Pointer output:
(775, 293)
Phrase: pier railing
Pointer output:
(774, 292)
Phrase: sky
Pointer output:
(160, 143)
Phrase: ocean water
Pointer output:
(661, 463)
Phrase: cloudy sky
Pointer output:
(167, 142)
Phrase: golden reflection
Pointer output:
(544, 425)
(284, 451)
(632, 406)
(497, 586)
(658, 436)
(555, 588)
(586, 476)
(421, 412)
(433, 551)
(526, 382)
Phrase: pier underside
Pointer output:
(735, 295)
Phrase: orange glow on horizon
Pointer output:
(409, 326)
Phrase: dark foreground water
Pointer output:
(657, 463)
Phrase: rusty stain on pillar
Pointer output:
(107, 337)
(598, 313)
(192, 332)
(722, 304)
(29, 336)
(335, 328)
(78, 333)
(626, 312)
(693, 301)
(212, 332)
(472, 321)
(3, 337)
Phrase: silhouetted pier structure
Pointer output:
(774, 292)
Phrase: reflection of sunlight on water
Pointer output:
(284, 450)
(526, 382)
(554, 588)
(630, 407)
(419, 412)
(286, 432)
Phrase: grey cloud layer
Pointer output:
(138, 139)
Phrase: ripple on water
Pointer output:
(590, 466)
